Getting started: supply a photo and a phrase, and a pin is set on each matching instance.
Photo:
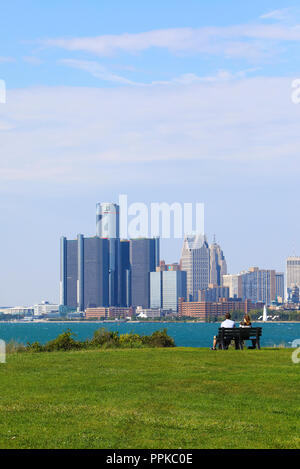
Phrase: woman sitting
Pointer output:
(246, 322)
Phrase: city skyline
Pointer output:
(189, 104)
(211, 247)
(107, 271)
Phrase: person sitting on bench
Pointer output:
(228, 324)
(246, 322)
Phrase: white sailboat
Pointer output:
(265, 314)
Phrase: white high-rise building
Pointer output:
(195, 260)
(292, 273)
(234, 283)
(108, 220)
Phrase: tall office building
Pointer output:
(144, 259)
(108, 226)
(259, 285)
(125, 274)
(195, 261)
(84, 272)
(234, 283)
(174, 287)
(218, 266)
(156, 290)
(280, 286)
(166, 287)
(108, 220)
(292, 272)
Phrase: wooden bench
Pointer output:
(239, 335)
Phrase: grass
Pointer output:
(150, 398)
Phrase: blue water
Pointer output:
(185, 334)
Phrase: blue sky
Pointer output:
(164, 101)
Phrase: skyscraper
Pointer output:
(166, 287)
(259, 285)
(195, 261)
(125, 274)
(174, 287)
(292, 272)
(218, 266)
(108, 227)
(156, 290)
(143, 260)
(108, 220)
(280, 285)
(234, 283)
(84, 272)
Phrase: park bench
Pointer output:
(239, 335)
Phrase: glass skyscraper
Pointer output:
(166, 287)
(143, 260)
(84, 272)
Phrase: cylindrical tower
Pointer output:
(108, 220)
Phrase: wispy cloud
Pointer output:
(97, 70)
(6, 59)
(72, 135)
(103, 73)
(253, 41)
(284, 14)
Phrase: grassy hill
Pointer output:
(150, 398)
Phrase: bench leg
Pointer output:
(257, 341)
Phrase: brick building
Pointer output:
(112, 312)
(207, 311)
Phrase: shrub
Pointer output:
(15, 347)
(159, 339)
(64, 341)
(131, 340)
(35, 347)
(104, 338)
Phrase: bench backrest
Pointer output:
(240, 332)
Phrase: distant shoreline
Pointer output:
(137, 322)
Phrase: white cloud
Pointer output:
(250, 41)
(103, 73)
(6, 59)
(284, 14)
(97, 70)
(88, 135)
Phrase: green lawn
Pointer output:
(150, 398)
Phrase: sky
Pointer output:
(171, 101)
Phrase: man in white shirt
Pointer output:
(228, 323)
